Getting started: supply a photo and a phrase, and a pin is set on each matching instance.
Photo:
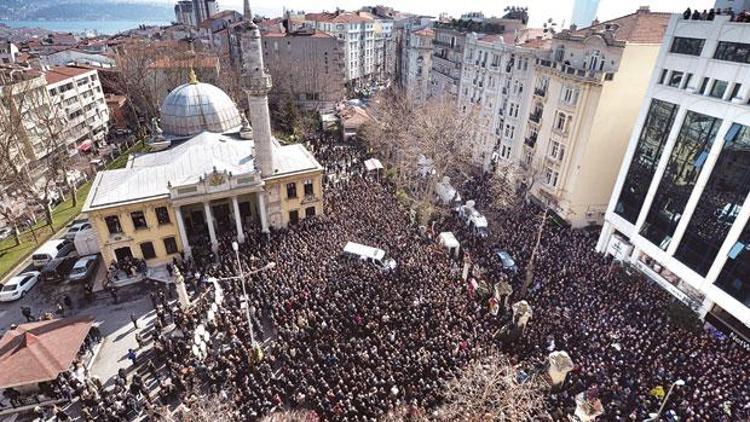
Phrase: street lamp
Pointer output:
(657, 415)
(245, 298)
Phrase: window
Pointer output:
(675, 79)
(663, 76)
(309, 188)
(569, 95)
(139, 220)
(685, 164)
(505, 151)
(170, 245)
(733, 52)
(735, 91)
(291, 190)
(147, 250)
(704, 85)
(691, 46)
(550, 177)
(293, 217)
(113, 224)
(162, 215)
(561, 121)
(734, 278)
(556, 151)
(648, 151)
(718, 89)
(309, 212)
(688, 78)
(719, 204)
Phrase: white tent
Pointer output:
(446, 193)
(373, 164)
(450, 242)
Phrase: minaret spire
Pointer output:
(247, 12)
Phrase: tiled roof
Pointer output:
(342, 17)
(39, 351)
(58, 74)
(425, 32)
(642, 26)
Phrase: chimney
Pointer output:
(644, 9)
(573, 27)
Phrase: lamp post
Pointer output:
(657, 415)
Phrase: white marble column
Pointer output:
(262, 211)
(181, 230)
(210, 224)
(238, 220)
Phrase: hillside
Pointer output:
(84, 10)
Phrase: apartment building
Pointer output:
(447, 61)
(585, 101)
(307, 67)
(680, 208)
(193, 12)
(358, 34)
(418, 62)
(497, 79)
(403, 28)
(76, 93)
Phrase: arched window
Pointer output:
(596, 60)
(560, 53)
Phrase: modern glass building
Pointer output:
(680, 209)
(584, 12)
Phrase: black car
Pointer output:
(57, 270)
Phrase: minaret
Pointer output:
(257, 85)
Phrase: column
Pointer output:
(181, 229)
(210, 224)
(262, 211)
(238, 220)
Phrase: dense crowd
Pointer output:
(351, 342)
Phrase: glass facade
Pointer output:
(719, 204)
(733, 52)
(691, 46)
(654, 135)
(735, 276)
(685, 164)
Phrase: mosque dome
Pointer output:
(196, 107)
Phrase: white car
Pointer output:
(17, 286)
(75, 228)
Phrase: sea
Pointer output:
(78, 27)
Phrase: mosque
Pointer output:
(210, 174)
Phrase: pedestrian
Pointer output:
(139, 340)
(60, 309)
(135, 320)
(26, 312)
(113, 293)
(132, 355)
(96, 334)
(68, 302)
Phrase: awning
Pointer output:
(373, 164)
(39, 351)
(448, 240)
(86, 145)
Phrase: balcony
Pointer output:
(582, 74)
(536, 116)
(540, 92)
(530, 141)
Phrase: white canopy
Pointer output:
(448, 240)
(373, 164)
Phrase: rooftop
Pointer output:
(59, 74)
(642, 26)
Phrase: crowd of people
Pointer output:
(348, 341)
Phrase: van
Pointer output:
(374, 256)
(55, 248)
(57, 270)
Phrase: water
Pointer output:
(101, 27)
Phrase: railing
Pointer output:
(540, 91)
(530, 141)
(536, 116)
(589, 75)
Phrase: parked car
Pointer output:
(57, 270)
(374, 256)
(51, 249)
(75, 228)
(5, 232)
(84, 268)
(506, 261)
(17, 286)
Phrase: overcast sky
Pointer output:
(539, 10)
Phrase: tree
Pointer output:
(202, 408)
(292, 416)
(490, 389)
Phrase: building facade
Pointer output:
(680, 209)
(404, 27)
(194, 12)
(77, 93)
(307, 67)
(417, 64)
(573, 144)
(447, 61)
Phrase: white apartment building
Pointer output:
(496, 81)
(680, 208)
(358, 32)
(77, 94)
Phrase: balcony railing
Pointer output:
(536, 116)
(540, 91)
(588, 75)
(530, 141)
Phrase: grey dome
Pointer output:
(196, 107)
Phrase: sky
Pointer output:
(539, 10)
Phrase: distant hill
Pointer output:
(84, 10)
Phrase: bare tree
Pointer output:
(292, 416)
(488, 389)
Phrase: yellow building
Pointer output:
(585, 103)
(212, 176)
